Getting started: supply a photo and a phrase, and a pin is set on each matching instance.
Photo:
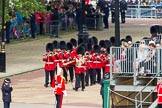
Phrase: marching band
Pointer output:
(84, 61)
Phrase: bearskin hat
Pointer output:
(84, 46)
(160, 29)
(89, 47)
(102, 43)
(96, 49)
(63, 45)
(80, 41)
(80, 50)
(49, 47)
(108, 43)
(90, 41)
(69, 46)
(95, 40)
(112, 40)
(153, 29)
(128, 38)
(108, 50)
(55, 44)
(73, 41)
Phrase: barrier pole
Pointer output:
(107, 93)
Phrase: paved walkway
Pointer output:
(27, 56)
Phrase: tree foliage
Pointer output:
(25, 7)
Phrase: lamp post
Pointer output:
(83, 34)
(3, 52)
(117, 24)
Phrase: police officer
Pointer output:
(6, 92)
(106, 16)
(123, 9)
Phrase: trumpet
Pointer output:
(50, 54)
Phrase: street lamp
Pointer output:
(83, 34)
(117, 24)
(3, 52)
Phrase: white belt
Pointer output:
(80, 66)
(58, 60)
(49, 62)
(159, 94)
(108, 65)
(89, 61)
(97, 62)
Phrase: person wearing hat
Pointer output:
(106, 76)
(58, 86)
(6, 92)
(80, 69)
(49, 66)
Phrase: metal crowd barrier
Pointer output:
(143, 13)
(53, 27)
(135, 60)
(95, 22)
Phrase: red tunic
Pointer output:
(159, 93)
(97, 58)
(89, 62)
(49, 61)
(107, 64)
(58, 84)
(61, 58)
(80, 65)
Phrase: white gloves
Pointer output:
(65, 92)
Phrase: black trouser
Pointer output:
(159, 106)
(87, 77)
(123, 17)
(91, 76)
(79, 78)
(82, 78)
(65, 73)
(77, 81)
(59, 98)
(96, 72)
(33, 27)
(105, 20)
(71, 72)
(41, 28)
(47, 75)
(112, 17)
(6, 104)
(98, 75)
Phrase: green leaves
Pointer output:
(25, 7)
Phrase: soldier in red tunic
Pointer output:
(49, 66)
(70, 63)
(62, 56)
(80, 69)
(58, 85)
(97, 64)
(159, 92)
(89, 65)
